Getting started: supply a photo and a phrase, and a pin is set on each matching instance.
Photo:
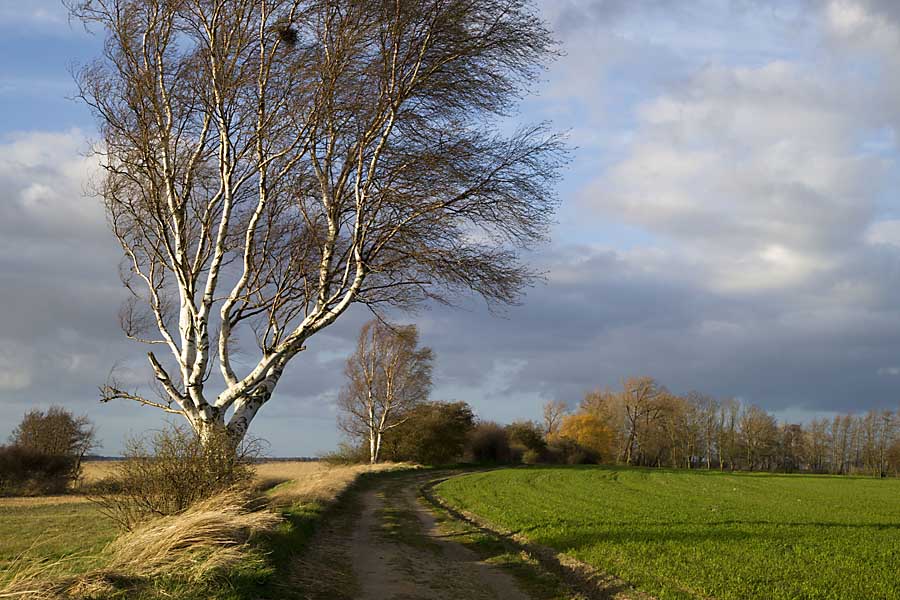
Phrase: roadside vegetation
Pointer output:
(149, 530)
(681, 534)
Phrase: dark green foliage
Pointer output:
(434, 433)
(489, 443)
(45, 452)
(28, 472)
(563, 451)
(526, 435)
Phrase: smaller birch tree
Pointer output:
(387, 375)
(554, 412)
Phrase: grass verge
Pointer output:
(227, 548)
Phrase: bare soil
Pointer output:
(385, 544)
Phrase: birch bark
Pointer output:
(270, 163)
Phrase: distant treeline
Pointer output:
(647, 425)
(640, 424)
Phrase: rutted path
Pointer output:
(387, 545)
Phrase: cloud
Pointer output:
(752, 175)
(729, 224)
(35, 13)
(58, 283)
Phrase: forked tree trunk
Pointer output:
(267, 164)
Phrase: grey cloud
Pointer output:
(780, 351)
(771, 162)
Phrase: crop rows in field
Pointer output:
(687, 534)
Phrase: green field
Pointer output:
(690, 534)
(44, 529)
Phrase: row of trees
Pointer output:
(383, 406)
(649, 425)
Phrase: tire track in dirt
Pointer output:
(387, 545)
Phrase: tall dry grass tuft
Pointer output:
(36, 580)
(210, 538)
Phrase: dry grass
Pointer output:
(30, 501)
(286, 481)
(94, 471)
(271, 474)
(314, 481)
(209, 538)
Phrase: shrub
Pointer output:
(56, 432)
(567, 451)
(28, 472)
(434, 433)
(347, 454)
(526, 435)
(489, 443)
(533, 457)
(168, 471)
(45, 453)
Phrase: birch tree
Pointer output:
(641, 398)
(267, 164)
(554, 411)
(387, 376)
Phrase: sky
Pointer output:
(730, 223)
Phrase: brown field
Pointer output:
(291, 482)
(97, 470)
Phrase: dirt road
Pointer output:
(385, 544)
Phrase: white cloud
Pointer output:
(32, 12)
(45, 175)
(861, 22)
(752, 173)
(884, 232)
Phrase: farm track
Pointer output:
(385, 544)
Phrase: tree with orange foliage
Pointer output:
(588, 431)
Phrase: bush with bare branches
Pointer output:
(170, 470)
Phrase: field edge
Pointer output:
(579, 577)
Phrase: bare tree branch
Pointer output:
(269, 163)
